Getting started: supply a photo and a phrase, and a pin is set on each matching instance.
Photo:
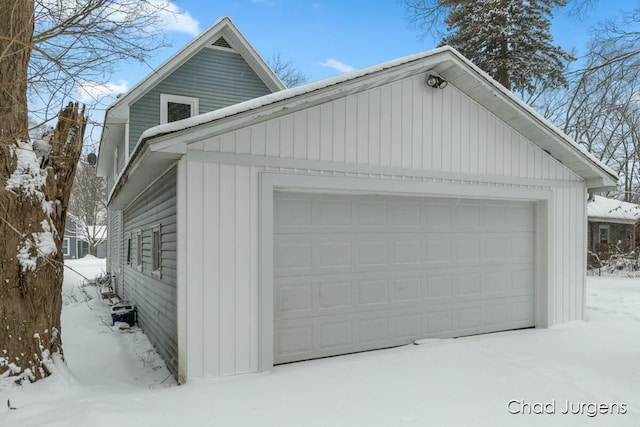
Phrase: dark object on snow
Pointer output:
(92, 159)
(124, 312)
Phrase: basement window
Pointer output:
(174, 108)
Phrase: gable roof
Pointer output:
(603, 209)
(223, 28)
(168, 142)
(223, 33)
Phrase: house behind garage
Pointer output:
(613, 225)
(359, 212)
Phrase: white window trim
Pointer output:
(67, 252)
(157, 272)
(604, 227)
(139, 254)
(166, 98)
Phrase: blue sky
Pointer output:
(323, 38)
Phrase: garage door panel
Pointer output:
(331, 213)
(372, 292)
(373, 330)
(292, 213)
(437, 216)
(334, 294)
(370, 214)
(407, 289)
(405, 216)
(372, 252)
(335, 334)
(406, 251)
(440, 323)
(407, 325)
(334, 253)
(364, 272)
(294, 297)
(293, 256)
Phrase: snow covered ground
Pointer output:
(115, 379)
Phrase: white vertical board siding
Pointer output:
(402, 124)
(570, 249)
(222, 266)
(402, 131)
(115, 248)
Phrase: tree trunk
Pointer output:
(16, 34)
(33, 203)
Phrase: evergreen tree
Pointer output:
(509, 39)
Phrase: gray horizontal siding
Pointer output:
(114, 254)
(154, 297)
(218, 78)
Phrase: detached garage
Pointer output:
(367, 211)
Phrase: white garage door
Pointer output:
(355, 273)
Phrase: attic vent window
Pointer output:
(221, 42)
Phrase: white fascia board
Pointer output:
(113, 119)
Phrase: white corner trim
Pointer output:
(182, 273)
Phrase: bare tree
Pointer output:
(77, 43)
(287, 73)
(88, 204)
(601, 110)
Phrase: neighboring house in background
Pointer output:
(355, 213)
(612, 223)
(75, 244)
(70, 239)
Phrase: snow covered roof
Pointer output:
(93, 232)
(610, 210)
(170, 141)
